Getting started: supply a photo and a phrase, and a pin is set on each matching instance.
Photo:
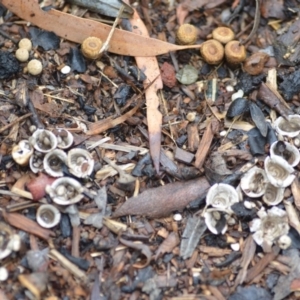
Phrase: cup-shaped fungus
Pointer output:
(279, 172)
(64, 138)
(212, 52)
(223, 34)
(22, 152)
(186, 34)
(48, 216)
(235, 53)
(43, 140)
(54, 162)
(253, 182)
(65, 191)
(91, 47)
(80, 162)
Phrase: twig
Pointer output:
(15, 122)
(256, 23)
(106, 44)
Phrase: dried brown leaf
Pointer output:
(21, 222)
(149, 66)
(145, 250)
(167, 245)
(77, 29)
(161, 201)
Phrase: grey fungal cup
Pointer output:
(80, 162)
(36, 162)
(287, 151)
(288, 127)
(43, 140)
(222, 196)
(48, 216)
(65, 191)
(253, 182)
(278, 171)
(54, 162)
(273, 195)
(216, 220)
(64, 138)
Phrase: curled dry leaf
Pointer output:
(77, 29)
(167, 245)
(145, 250)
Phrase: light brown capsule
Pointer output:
(91, 47)
(235, 53)
(212, 52)
(223, 35)
(186, 34)
(254, 64)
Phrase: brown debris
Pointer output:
(21, 222)
(161, 201)
(273, 100)
(211, 129)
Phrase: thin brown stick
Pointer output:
(15, 122)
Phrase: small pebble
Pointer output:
(223, 133)
(177, 217)
(229, 88)
(65, 70)
(3, 274)
(235, 247)
(249, 204)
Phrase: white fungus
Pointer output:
(35, 67)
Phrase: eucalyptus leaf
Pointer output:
(108, 8)
(193, 231)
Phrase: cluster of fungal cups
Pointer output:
(34, 66)
(268, 183)
(214, 50)
(49, 152)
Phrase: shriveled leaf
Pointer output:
(168, 244)
(258, 118)
(95, 220)
(193, 231)
(144, 249)
(77, 29)
(161, 201)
